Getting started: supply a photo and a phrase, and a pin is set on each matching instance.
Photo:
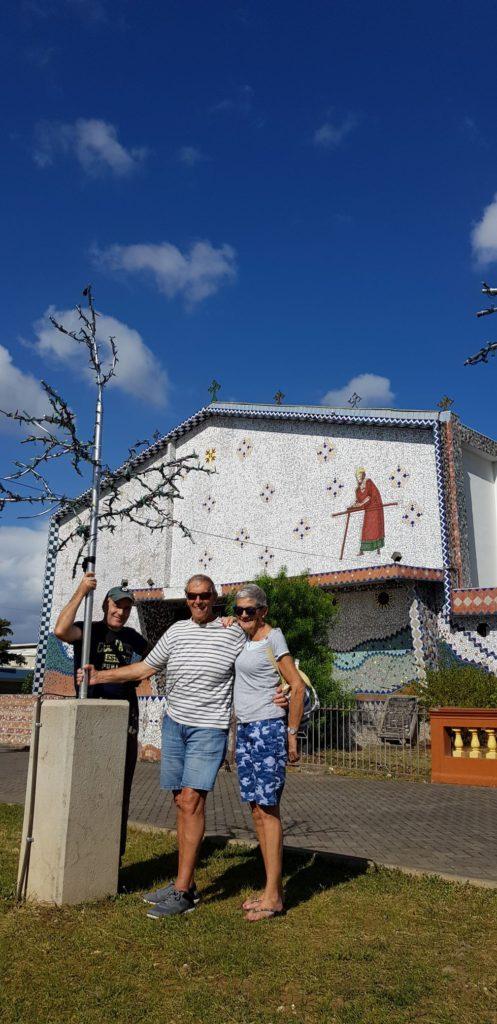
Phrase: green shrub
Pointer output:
(27, 683)
(304, 614)
(462, 686)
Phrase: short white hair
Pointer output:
(254, 593)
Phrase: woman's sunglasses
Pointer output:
(249, 612)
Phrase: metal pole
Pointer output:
(92, 540)
(23, 876)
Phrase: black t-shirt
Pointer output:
(111, 648)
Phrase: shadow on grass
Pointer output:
(161, 868)
(305, 874)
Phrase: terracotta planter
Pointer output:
(464, 746)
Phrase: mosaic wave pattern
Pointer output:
(377, 666)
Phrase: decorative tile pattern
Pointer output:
(242, 537)
(335, 487)
(152, 711)
(411, 513)
(46, 606)
(209, 503)
(266, 558)
(205, 560)
(398, 477)
(210, 455)
(244, 449)
(302, 528)
(370, 575)
(267, 492)
(475, 601)
(326, 451)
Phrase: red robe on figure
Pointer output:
(373, 527)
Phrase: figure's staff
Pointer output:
(348, 512)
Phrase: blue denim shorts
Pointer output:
(261, 756)
(191, 756)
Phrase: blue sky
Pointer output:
(277, 194)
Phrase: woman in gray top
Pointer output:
(264, 741)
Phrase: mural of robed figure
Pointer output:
(368, 497)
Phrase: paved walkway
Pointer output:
(444, 830)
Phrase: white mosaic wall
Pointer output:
(275, 488)
(270, 502)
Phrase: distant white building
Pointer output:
(283, 479)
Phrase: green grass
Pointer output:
(370, 948)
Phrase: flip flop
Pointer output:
(250, 903)
(267, 912)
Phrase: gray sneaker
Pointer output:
(159, 895)
(174, 903)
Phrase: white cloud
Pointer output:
(190, 156)
(138, 373)
(195, 275)
(331, 135)
(22, 563)
(375, 392)
(484, 235)
(93, 143)
(18, 390)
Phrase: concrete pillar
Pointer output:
(79, 789)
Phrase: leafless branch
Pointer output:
(54, 436)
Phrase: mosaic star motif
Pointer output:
(209, 503)
(267, 492)
(398, 477)
(242, 537)
(411, 513)
(204, 559)
(334, 487)
(266, 557)
(302, 528)
(244, 449)
(210, 455)
(326, 452)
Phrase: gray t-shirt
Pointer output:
(256, 678)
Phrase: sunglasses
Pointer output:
(205, 595)
(249, 612)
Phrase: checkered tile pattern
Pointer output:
(46, 605)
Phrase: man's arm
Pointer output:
(64, 627)
(127, 674)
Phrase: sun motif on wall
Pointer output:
(326, 452)
(210, 455)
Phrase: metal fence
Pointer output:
(389, 739)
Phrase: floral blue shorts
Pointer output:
(261, 756)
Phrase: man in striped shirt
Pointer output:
(199, 654)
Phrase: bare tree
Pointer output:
(488, 350)
(54, 436)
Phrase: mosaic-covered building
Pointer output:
(413, 565)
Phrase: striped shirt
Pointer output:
(200, 664)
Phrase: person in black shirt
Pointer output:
(113, 645)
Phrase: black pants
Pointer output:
(129, 771)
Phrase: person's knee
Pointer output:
(192, 801)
